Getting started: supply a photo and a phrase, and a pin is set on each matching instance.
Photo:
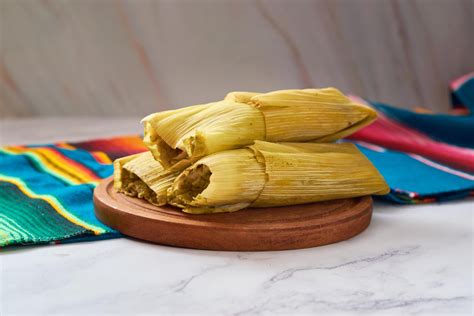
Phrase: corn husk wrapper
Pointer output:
(311, 115)
(166, 146)
(121, 176)
(180, 137)
(240, 96)
(269, 174)
(141, 176)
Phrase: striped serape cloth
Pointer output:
(425, 157)
(46, 190)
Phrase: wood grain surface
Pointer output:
(258, 229)
(119, 58)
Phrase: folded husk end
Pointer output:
(223, 182)
(142, 176)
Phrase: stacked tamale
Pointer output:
(252, 150)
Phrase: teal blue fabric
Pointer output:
(412, 181)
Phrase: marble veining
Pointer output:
(362, 275)
(182, 284)
(412, 260)
(384, 256)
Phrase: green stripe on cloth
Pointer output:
(46, 190)
(30, 220)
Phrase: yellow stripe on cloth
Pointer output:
(51, 200)
(5, 238)
(68, 171)
(101, 157)
(66, 146)
(42, 164)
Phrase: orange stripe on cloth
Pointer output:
(65, 146)
(101, 157)
(58, 164)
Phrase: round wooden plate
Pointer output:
(257, 229)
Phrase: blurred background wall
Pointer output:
(129, 58)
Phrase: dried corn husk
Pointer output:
(268, 174)
(223, 182)
(121, 176)
(142, 176)
(171, 124)
(180, 137)
(240, 96)
(311, 115)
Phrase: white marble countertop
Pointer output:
(411, 260)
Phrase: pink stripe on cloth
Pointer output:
(442, 167)
(455, 84)
(394, 135)
(371, 146)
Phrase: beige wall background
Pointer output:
(129, 58)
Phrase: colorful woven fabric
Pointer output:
(424, 157)
(46, 190)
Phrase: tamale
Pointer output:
(311, 115)
(269, 174)
(141, 176)
(164, 153)
(121, 176)
(180, 137)
(223, 182)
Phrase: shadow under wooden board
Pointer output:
(257, 229)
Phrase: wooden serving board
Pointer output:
(257, 229)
